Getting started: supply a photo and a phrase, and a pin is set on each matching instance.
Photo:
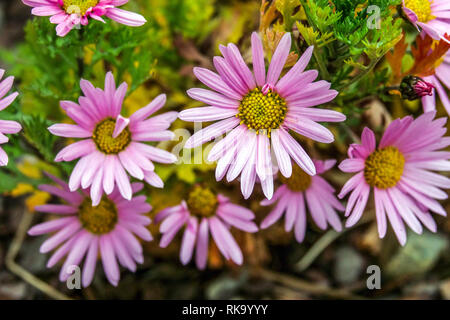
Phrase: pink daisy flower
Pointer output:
(441, 76)
(112, 145)
(69, 13)
(299, 189)
(205, 212)
(400, 174)
(6, 126)
(84, 232)
(432, 16)
(257, 111)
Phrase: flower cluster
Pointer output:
(266, 118)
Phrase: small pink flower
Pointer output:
(6, 126)
(84, 232)
(299, 189)
(69, 13)
(400, 174)
(203, 213)
(432, 16)
(257, 110)
(112, 145)
(440, 78)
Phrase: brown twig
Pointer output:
(18, 270)
(306, 286)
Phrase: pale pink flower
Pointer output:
(441, 76)
(112, 145)
(6, 126)
(432, 16)
(69, 13)
(400, 174)
(203, 213)
(301, 189)
(257, 111)
(84, 232)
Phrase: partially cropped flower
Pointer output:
(69, 13)
(400, 174)
(6, 126)
(112, 145)
(299, 189)
(413, 88)
(432, 16)
(83, 232)
(203, 213)
(257, 110)
(441, 76)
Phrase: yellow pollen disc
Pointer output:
(260, 111)
(202, 202)
(100, 219)
(78, 6)
(102, 137)
(384, 168)
(299, 181)
(422, 8)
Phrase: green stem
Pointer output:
(361, 75)
(322, 66)
(308, 15)
(316, 250)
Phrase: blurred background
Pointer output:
(157, 58)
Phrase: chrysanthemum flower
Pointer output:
(203, 213)
(6, 126)
(299, 189)
(442, 74)
(84, 232)
(257, 111)
(111, 144)
(69, 13)
(400, 174)
(433, 16)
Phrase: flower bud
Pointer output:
(413, 88)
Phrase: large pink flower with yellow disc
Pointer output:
(432, 16)
(257, 110)
(111, 144)
(399, 173)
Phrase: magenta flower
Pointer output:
(299, 189)
(257, 111)
(111, 144)
(69, 13)
(400, 173)
(441, 76)
(6, 126)
(84, 232)
(432, 16)
(205, 212)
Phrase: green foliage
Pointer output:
(190, 18)
(36, 134)
(348, 41)
(50, 66)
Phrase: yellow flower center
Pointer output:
(384, 168)
(100, 219)
(422, 8)
(299, 181)
(202, 202)
(102, 137)
(260, 111)
(78, 6)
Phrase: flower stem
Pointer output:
(361, 75)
